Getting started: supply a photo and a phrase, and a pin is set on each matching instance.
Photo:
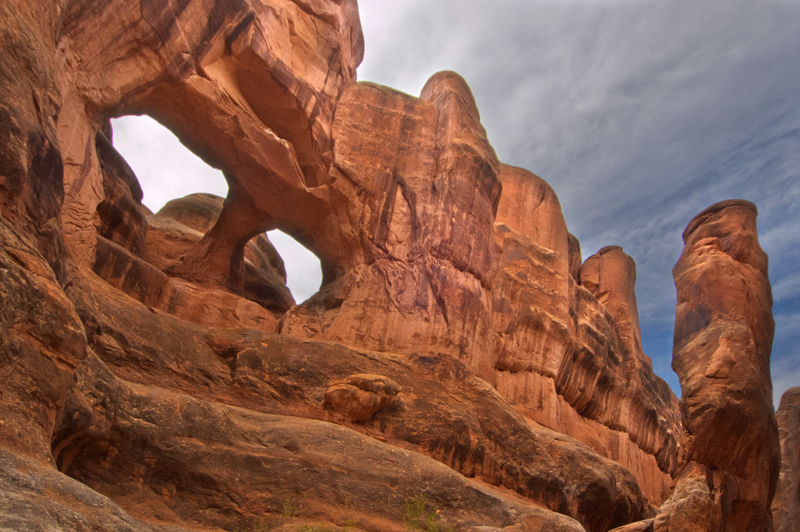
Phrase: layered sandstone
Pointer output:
(570, 356)
(723, 339)
(458, 347)
(418, 190)
(162, 466)
(786, 504)
(441, 410)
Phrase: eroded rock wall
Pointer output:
(568, 355)
(417, 189)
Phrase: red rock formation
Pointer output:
(418, 190)
(623, 392)
(41, 341)
(359, 397)
(252, 90)
(231, 463)
(182, 222)
(723, 339)
(442, 411)
(569, 361)
(786, 504)
(144, 348)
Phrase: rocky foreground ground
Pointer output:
(461, 366)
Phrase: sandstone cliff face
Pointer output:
(157, 375)
(570, 356)
(786, 504)
(723, 339)
(418, 190)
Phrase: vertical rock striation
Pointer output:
(469, 339)
(570, 356)
(416, 188)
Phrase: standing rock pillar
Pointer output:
(723, 337)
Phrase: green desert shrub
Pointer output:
(423, 516)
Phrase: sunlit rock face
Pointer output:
(157, 375)
(730, 456)
(250, 86)
(568, 355)
(417, 183)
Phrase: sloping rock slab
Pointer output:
(172, 458)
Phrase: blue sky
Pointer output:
(639, 113)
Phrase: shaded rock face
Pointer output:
(786, 504)
(32, 166)
(34, 496)
(156, 374)
(202, 458)
(441, 410)
(43, 340)
(183, 222)
(723, 339)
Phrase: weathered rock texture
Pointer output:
(419, 190)
(730, 457)
(183, 222)
(786, 504)
(457, 348)
(570, 356)
(440, 410)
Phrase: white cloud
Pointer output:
(165, 168)
(303, 271)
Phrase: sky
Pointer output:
(639, 113)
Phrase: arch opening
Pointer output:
(168, 171)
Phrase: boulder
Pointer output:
(360, 396)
